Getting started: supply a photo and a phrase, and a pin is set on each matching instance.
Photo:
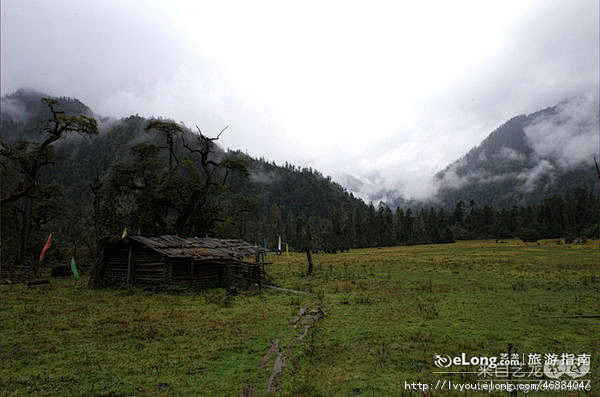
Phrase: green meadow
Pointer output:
(388, 311)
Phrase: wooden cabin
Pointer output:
(161, 261)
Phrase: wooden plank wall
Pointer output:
(149, 268)
(196, 273)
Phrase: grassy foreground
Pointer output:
(388, 311)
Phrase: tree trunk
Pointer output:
(95, 187)
(91, 251)
(310, 264)
(196, 200)
(25, 233)
(95, 280)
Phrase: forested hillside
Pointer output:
(156, 177)
(527, 159)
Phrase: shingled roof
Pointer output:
(196, 247)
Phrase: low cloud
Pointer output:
(568, 136)
(263, 176)
(531, 177)
(557, 140)
(389, 104)
(15, 109)
(511, 154)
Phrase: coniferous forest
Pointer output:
(86, 180)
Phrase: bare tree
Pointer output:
(216, 172)
(29, 158)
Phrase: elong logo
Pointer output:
(446, 361)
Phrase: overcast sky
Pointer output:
(385, 93)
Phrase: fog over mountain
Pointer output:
(528, 158)
(379, 96)
(569, 134)
(525, 160)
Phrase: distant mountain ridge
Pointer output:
(295, 191)
(302, 206)
(527, 159)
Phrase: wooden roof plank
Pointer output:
(196, 247)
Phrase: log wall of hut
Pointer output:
(151, 268)
(197, 273)
(165, 260)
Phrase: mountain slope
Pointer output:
(301, 205)
(527, 159)
(281, 191)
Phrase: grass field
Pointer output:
(387, 312)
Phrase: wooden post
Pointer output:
(130, 263)
(256, 276)
(310, 263)
(249, 274)
(165, 273)
(227, 277)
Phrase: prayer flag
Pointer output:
(46, 246)
(74, 268)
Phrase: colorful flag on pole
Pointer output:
(74, 269)
(279, 244)
(139, 232)
(46, 246)
(124, 232)
(265, 243)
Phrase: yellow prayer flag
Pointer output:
(124, 232)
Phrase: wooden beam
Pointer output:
(285, 289)
(277, 370)
(130, 265)
(227, 277)
(265, 360)
(300, 314)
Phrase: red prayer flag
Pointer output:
(46, 246)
